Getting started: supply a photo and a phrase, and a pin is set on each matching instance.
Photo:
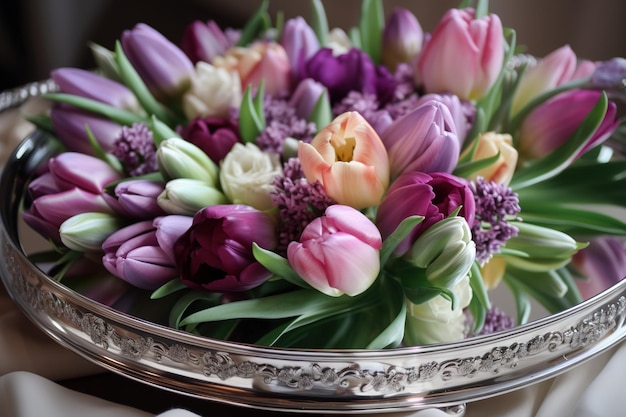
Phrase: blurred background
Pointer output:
(39, 35)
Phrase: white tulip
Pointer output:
(247, 173)
(213, 92)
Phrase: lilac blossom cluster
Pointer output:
(136, 150)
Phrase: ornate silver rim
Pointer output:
(443, 376)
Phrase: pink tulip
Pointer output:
(423, 140)
(142, 253)
(338, 253)
(549, 125)
(350, 161)
(463, 56)
(265, 62)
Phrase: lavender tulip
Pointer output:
(93, 86)
(305, 97)
(72, 169)
(549, 125)
(164, 67)
(338, 252)
(402, 38)
(137, 199)
(300, 43)
(423, 140)
(70, 126)
(214, 135)
(602, 263)
(204, 41)
(215, 254)
(462, 111)
(142, 253)
(610, 76)
(434, 196)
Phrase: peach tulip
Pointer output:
(350, 161)
(489, 144)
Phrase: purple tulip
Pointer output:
(602, 263)
(434, 196)
(462, 111)
(164, 67)
(70, 125)
(300, 43)
(305, 97)
(90, 85)
(215, 254)
(553, 122)
(73, 184)
(204, 41)
(402, 38)
(609, 76)
(338, 253)
(142, 253)
(423, 140)
(214, 135)
(352, 71)
(137, 199)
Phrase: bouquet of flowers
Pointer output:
(290, 185)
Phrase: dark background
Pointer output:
(39, 35)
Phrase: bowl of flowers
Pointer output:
(292, 218)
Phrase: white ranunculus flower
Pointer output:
(246, 175)
(213, 92)
(435, 321)
(338, 41)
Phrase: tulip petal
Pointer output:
(353, 184)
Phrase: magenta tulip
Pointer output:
(423, 140)
(214, 135)
(552, 123)
(215, 254)
(602, 263)
(204, 41)
(163, 67)
(463, 56)
(338, 253)
(434, 196)
(142, 253)
(90, 85)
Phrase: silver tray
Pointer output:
(444, 376)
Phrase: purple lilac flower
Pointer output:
(495, 203)
(136, 150)
(496, 320)
(298, 201)
(282, 123)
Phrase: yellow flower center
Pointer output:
(344, 148)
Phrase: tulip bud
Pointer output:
(545, 248)
(213, 92)
(463, 112)
(305, 97)
(435, 321)
(181, 159)
(70, 125)
(164, 68)
(185, 196)
(72, 169)
(85, 232)
(338, 253)
(350, 161)
(602, 263)
(204, 41)
(463, 56)
(489, 145)
(214, 135)
(492, 272)
(299, 42)
(90, 85)
(142, 254)
(136, 199)
(423, 140)
(553, 122)
(402, 39)
(446, 251)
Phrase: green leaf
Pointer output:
(394, 333)
(41, 122)
(250, 122)
(181, 306)
(115, 114)
(482, 9)
(105, 61)
(522, 303)
(319, 21)
(576, 221)
(393, 240)
(277, 265)
(322, 113)
(133, 81)
(258, 23)
(168, 288)
(562, 157)
(371, 26)
(479, 292)
(477, 128)
(468, 168)
(161, 131)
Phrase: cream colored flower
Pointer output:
(489, 145)
(338, 41)
(247, 173)
(213, 92)
(435, 321)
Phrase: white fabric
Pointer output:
(30, 362)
